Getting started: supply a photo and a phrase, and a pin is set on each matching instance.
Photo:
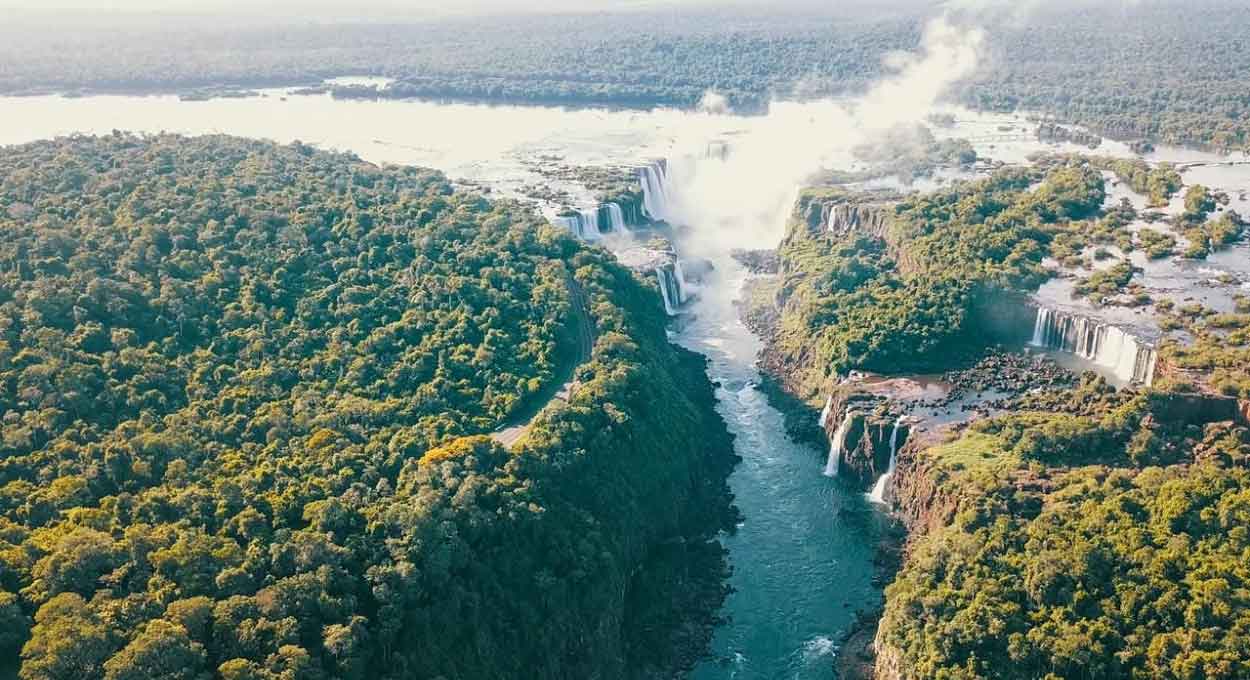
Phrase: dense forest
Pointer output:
(1168, 71)
(1072, 532)
(1091, 534)
(903, 293)
(244, 390)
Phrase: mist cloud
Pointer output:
(744, 200)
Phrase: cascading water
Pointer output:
(683, 294)
(835, 446)
(824, 412)
(654, 180)
(883, 483)
(616, 218)
(670, 287)
(1103, 344)
(583, 225)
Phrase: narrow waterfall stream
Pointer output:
(802, 558)
(835, 446)
(882, 486)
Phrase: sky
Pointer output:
(402, 7)
(388, 6)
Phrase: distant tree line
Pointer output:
(1170, 72)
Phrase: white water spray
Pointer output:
(824, 412)
(654, 180)
(742, 199)
(883, 483)
(670, 280)
(584, 225)
(834, 464)
(616, 219)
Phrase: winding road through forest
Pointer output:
(584, 329)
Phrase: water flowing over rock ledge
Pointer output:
(658, 258)
(620, 212)
(1129, 358)
(865, 427)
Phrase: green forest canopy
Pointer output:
(904, 300)
(1092, 536)
(240, 385)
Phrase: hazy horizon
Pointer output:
(418, 8)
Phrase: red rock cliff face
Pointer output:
(923, 505)
(919, 498)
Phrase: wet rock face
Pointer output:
(920, 499)
(866, 443)
(1004, 316)
(843, 217)
(631, 207)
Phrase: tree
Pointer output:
(1198, 203)
(13, 624)
(163, 651)
(67, 642)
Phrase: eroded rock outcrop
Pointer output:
(863, 426)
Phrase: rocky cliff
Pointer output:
(864, 416)
(842, 217)
(838, 212)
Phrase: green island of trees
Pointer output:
(244, 390)
(907, 299)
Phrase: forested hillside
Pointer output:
(1089, 534)
(1064, 532)
(894, 285)
(243, 388)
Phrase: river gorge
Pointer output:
(803, 555)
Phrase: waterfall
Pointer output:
(616, 218)
(590, 224)
(654, 180)
(824, 412)
(835, 446)
(573, 223)
(883, 482)
(1039, 328)
(682, 293)
(670, 289)
(583, 225)
(1103, 344)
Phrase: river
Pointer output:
(802, 558)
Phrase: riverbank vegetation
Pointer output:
(1215, 352)
(244, 389)
(1157, 182)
